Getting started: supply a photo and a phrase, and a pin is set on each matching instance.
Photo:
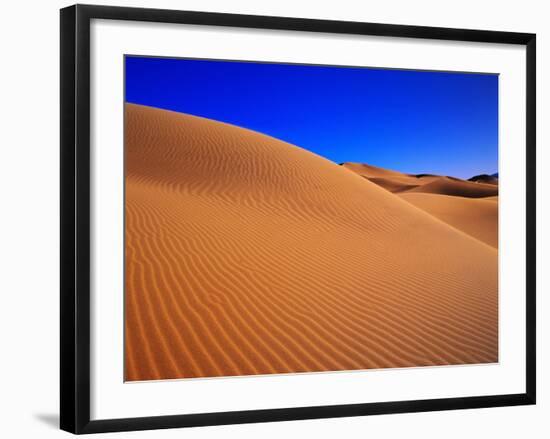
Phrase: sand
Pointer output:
(457, 187)
(480, 187)
(390, 180)
(247, 255)
(484, 178)
(467, 205)
(478, 217)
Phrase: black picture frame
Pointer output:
(75, 218)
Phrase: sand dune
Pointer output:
(478, 217)
(460, 203)
(484, 178)
(394, 185)
(396, 182)
(457, 187)
(371, 171)
(248, 255)
(393, 181)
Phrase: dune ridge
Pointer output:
(247, 255)
(456, 187)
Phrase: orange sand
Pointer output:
(248, 255)
(468, 205)
(478, 217)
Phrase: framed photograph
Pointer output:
(273, 218)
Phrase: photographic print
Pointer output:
(290, 218)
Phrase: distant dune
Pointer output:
(248, 255)
(393, 181)
(484, 178)
(457, 187)
(396, 182)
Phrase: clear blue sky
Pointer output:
(411, 121)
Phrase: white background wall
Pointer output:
(29, 249)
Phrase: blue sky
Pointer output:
(411, 121)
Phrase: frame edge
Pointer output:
(303, 24)
(68, 389)
(303, 413)
(531, 218)
(75, 220)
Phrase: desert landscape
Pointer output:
(247, 255)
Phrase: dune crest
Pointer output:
(393, 181)
(248, 255)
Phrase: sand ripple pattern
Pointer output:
(247, 255)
